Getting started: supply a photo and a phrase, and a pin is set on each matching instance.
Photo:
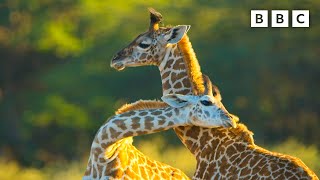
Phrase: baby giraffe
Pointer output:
(221, 153)
(108, 158)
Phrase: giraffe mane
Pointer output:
(141, 104)
(243, 132)
(192, 65)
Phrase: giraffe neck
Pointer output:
(180, 71)
(180, 74)
(140, 122)
(112, 153)
(200, 139)
(174, 75)
(133, 123)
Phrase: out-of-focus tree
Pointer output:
(56, 87)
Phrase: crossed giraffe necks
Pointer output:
(111, 149)
(176, 78)
(180, 76)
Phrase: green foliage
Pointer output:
(56, 87)
(60, 112)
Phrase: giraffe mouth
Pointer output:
(232, 122)
(117, 65)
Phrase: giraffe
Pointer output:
(109, 157)
(216, 150)
(130, 160)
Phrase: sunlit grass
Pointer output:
(72, 171)
(156, 148)
(12, 170)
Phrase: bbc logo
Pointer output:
(280, 18)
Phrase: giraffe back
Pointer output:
(232, 154)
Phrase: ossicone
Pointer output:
(155, 19)
(207, 84)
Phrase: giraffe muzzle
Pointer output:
(117, 65)
(232, 120)
(116, 62)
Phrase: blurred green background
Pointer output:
(57, 88)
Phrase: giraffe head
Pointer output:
(203, 110)
(149, 47)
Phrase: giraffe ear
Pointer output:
(175, 34)
(177, 100)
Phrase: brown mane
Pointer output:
(192, 65)
(141, 104)
(243, 132)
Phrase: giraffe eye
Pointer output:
(144, 45)
(206, 103)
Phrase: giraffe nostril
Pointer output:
(116, 57)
